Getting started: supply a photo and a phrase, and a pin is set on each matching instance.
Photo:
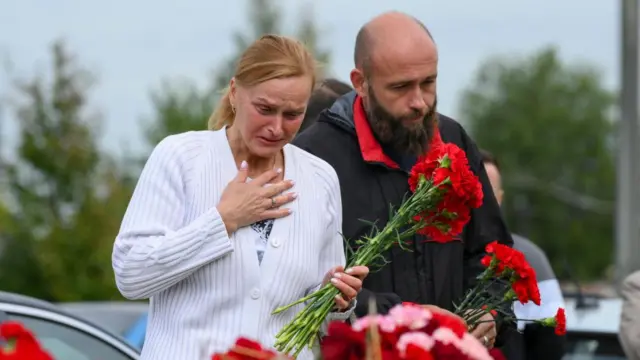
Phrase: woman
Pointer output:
(215, 234)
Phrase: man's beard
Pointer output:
(391, 131)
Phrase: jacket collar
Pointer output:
(370, 148)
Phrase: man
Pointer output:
(538, 342)
(372, 137)
(322, 98)
(630, 317)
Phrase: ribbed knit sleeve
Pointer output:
(155, 248)
(333, 253)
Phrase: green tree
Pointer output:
(550, 124)
(185, 106)
(66, 198)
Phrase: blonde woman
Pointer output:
(226, 225)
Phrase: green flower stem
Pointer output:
(313, 295)
(476, 298)
(496, 305)
(302, 331)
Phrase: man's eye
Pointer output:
(291, 115)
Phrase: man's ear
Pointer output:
(358, 81)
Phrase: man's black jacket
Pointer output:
(370, 182)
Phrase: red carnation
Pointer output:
(444, 320)
(246, 349)
(342, 342)
(446, 167)
(22, 343)
(561, 322)
(507, 262)
(496, 354)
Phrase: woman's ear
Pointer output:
(232, 92)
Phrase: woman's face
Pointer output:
(269, 115)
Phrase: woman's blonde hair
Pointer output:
(270, 57)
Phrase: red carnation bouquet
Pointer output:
(19, 343)
(507, 267)
(444, 189)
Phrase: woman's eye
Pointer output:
(264, 109)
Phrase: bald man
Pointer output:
(372, 137)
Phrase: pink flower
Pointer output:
(473, 348)
(384, 323)
(418, 339)
(413, 317)
(467, 345)
(446, 336)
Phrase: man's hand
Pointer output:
(486, 331)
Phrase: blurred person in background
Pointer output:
(216, 249)
(630, 317)
(372, 137)
(539, 342)
(322, 98)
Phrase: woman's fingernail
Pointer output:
(349, 270)
(244, 165)
(294, 196)
(292, 182)
(337, 275)
(278, 170)
(334, 281)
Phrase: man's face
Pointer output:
(496, 181)
(406, 133)
(399, 93)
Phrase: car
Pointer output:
(135, 334)
(125, 318)
(592, 328)
(64, 335)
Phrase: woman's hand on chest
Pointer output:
(243, 203)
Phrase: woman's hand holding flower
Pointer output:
(348, 282)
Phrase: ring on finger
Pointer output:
(485, 340)
(273, 202)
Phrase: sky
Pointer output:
(133, 46)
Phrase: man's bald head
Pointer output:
(374, 32)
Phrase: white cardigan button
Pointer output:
(255, 293)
